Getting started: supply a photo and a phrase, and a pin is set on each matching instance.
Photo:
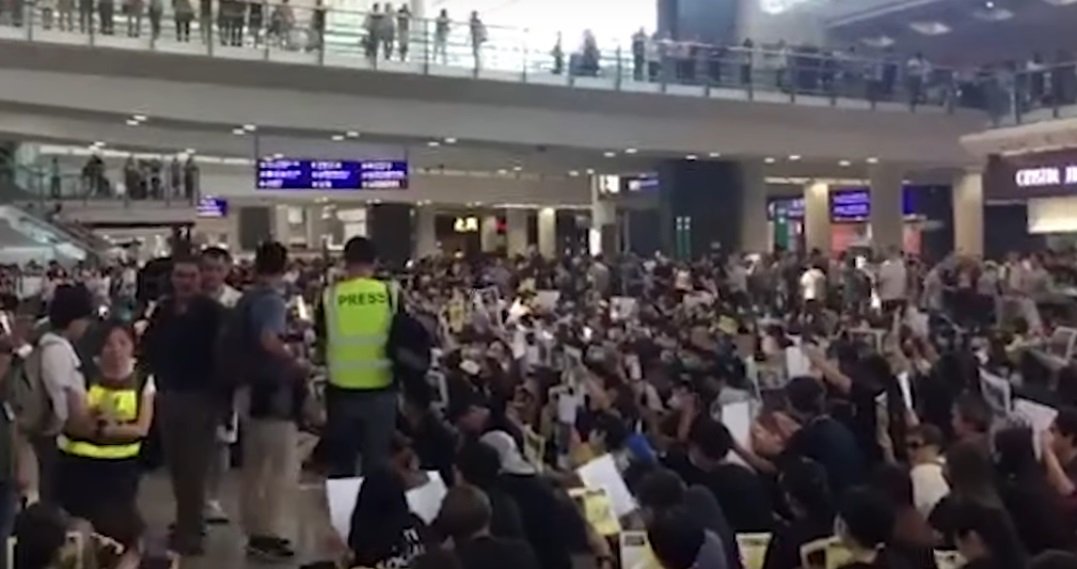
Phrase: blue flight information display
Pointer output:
(289, 174)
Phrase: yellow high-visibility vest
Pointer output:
(358, 316)
(122, 405)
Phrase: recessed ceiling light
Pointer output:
(352, 134)
(239, 131)
(139, 118)
(337, 137)
(691, 157)
(794, 157)
(132, 122)
(631, 151)
(873, 160)
(278, 156)
(844, 163)
(714, 154)
(433, 144)
(573, 173)
(450, 140)
(930, 28)
(609, 154)
(98, 144)
(189, 150)
(769, 160)
(517, 168)
(992, 14)
(878, 42)
(590, 171)
(502, 171)
(250, 127)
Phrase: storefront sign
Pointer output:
(788, 208)
(1042, 174)
(466, 225)
(210, 207)
(289, 174)
(854, 204)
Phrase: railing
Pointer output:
(1040, 92)
(48, 184)
(340, 38)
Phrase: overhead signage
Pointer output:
(854, 204)
(466, 225)
(788, 208)
(210, 207)
(1041, 174)
(290, 174)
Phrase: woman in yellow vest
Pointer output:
(99, 466)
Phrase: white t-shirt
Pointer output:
(893, 280)
(738, 278)
(228, 297)
(928, 486)
(60, 371)
(811, 284)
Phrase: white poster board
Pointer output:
(343, 493)
(997, 392)
(601, 473)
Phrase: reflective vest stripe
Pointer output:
(94, 450)
(123, 406)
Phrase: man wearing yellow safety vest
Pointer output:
(355, 324)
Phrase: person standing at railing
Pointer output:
(205, 20)
(747, 55)
(442, 26)
(47, 12)
(255, 20)
(133, 9)
(66, 12)
(478, 37)
(182, 14)
(915, 71)
(54, 178)
(387, 33)
(190, 178)
(372, 27)
(403, 30)
(639, 53)
(558, 54)
(85, 16)
(175, 178)
(106, 11)
(157, 8)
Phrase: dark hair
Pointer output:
(1054, 559)
(360, 251)
(479, 464)
(972, 409)
(614, 427)
(995, 529)
(806, 396)
(270, 258)
(40, 533)
(380, 517)
(893, 481)
(216, 253)
(1066, 422)
(1016, 454)
(931, 434)
(868, 516)
(675, 538)
(969, 472)
(711, 438)
(465, 511)
(660, 490)
(70, 302)
(805, 481)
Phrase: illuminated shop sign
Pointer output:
(211, 207)
(854, 204)
(289, 174)
(788, 208)
(1032, 175)
(466, 225)
(1048, 176)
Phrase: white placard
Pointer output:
(906, 389)
(796, 363)
(343, 493)
(547, 299)
(601, 473)
(622, 308)
(737, 417)
(996, 392)
(635, 550)
(1040, 417)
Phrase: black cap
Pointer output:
(360, 251)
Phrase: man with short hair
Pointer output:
(1060, 455)
(971, 420)
(465, 517)
(924, 443)
(276, 381)
(354, 323)
(180, 351)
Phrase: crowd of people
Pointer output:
(779, 411)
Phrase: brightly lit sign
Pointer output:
(466, 225)
(1045, 176)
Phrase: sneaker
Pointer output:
(283, 548)
(214, 513)
(268, 549)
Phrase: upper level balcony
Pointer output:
(395, 43)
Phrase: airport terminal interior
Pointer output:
(525, 133)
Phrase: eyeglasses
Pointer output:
(915, 444)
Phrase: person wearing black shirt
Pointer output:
(478, 465)
(466, 517)
(807, 493)
(821, 438)
(180, 344)
(1033, 504)
(986, 538)
(739, 491)
(865, 523)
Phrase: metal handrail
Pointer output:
(334, 37)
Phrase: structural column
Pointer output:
(426, 240)
(969, 213)
(488, 233)
(817, 217)
(547, 232)
(516, 231)
(887, 217)
(753, 208)
(281, 228)
(603, 237)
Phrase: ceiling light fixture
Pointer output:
(517, 168)
(844, 163)
(502, 171)
(352, 134)
(631, 151)
(337, 137)
(770, 160)
(714, 154)
(250, 127)
(433, 144)
(691, 157)
(794, 157)
(990, 5)
(278, 156)
(574, 173)
(139, 118)
(872, 160)
(609, 154)
(590, 171)
(132, 122)
(189, 151)
(239, 131)
(450, 140)
(98, 144)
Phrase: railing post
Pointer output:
(90, 22)
(28, 19)
(527, 53)
(321, 31)
(620, 67)
(426, 46)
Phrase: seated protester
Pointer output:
(913, 539)
(384, 533)
(971, 420)
(679, 542)
(1034, 507)
(739, 491)
(864, 525)
(972, 479)
(1060, 457)
(986, 538)
(610, 434)
(661, 489)
(807, 494)
(924, 444)
(543, 518)
(41, 538)
(820, 437)
(465, 516)
(478, 465)
(1054, 560)
(102, 437)
(951, 375)
(432, 438)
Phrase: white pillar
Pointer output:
(516, 231)
(488, 233)
(817, 217)
(426, 241)
(969, 213)
(753, 208)
(547, 232)
(887, 218)
(280, 225)
(603, 214)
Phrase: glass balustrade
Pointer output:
(405, 44)
(96, 184)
